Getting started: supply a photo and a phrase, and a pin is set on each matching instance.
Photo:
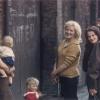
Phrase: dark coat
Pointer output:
(5, 91)
(93, 68)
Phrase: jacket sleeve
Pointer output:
(92, 75)
(72, 54)
(92, 78)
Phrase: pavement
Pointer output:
(82, 93)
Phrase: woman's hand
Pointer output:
(53, 74)
(8, 72)
(92, 92)
(54, 77)
(12, 70)
(4, 67)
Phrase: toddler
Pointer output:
(32, 92)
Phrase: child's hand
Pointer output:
(40, 94)
(12, 69)
(12, 74)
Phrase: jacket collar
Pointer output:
(74, 41)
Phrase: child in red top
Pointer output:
(32, 89)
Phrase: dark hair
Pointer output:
(89, 46)
(95, 29)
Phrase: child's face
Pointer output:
(8, 41)
(32, 86)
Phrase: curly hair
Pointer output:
(32, 81)
(95, 29)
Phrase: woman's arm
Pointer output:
(59, 69)
(71, 56)
(4, 67)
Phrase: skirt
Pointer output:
(5, 91)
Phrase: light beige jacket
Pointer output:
(6, 51)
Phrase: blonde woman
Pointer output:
(66, 68)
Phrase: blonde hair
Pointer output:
(8, 41)
(77, 28)
(32, 81)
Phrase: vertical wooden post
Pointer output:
(93, 12)
(59, 20)
(2, 17)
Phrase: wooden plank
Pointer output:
(2, 17)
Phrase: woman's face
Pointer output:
(92, 37)
(69, 32)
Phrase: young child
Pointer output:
(7, 56)
(32, 92)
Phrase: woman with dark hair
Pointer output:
(91, 62)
